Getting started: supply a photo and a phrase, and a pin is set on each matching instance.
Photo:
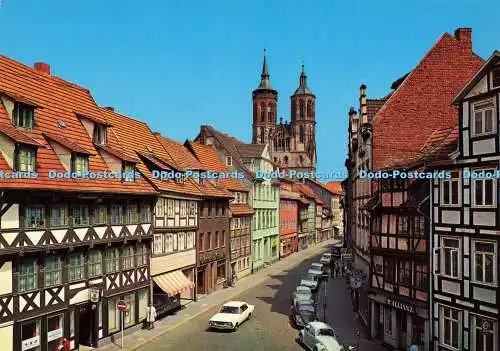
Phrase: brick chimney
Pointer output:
(464, 35)
(110, 108)
(42, 67)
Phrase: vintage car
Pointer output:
(231, 315)
(326, 259)
(303, 313)
(302, 290)
(303, 298)
(311, 281)
(319, 336)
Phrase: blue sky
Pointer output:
(180, 64)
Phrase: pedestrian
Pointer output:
(151, 317)
(66, 344)
(61, 346)
(414, 347)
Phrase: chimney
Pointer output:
(157, 134)
(111, 108)
(464, 35)
(362, 104)
(42, 67)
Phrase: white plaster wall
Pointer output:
(7, 149)
(7, 337)
(89, 126)
(450, 217)
(10, 219)
(450, 287)
(481, 147)
(9, 105)
(6, 279)
(485, 295)
(480, 88)
(63, 154)
(113, 162)
(483, 218)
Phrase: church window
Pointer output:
(302, 108)
(271, 113)
(294, 108)
(309, 109)
(285, 160)
(301, 160)
(262, 112)
(262, 135)
(301, 134)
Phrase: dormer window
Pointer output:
(25, 158)
(229, 160)
(24, 115)
(99, 134)
(484, 118)
(495, 77)
(79, 163)
(128, 172)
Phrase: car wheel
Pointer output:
(301, 340)
(249, 316)
(315, 348)
(236, 327)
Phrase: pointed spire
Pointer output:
(303, 88)
(265, 83)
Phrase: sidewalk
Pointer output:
(142, 337)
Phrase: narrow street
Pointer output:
(269, 328)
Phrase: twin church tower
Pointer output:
(292, 145)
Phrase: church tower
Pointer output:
(304, 123)
(265, 100)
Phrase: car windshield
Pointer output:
(303, 290)
(311, 277)
(326, 331)
(229, 309)
(303, 297)
(316, 266)
(307, 309)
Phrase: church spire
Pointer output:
(303, 89)
(265, 83)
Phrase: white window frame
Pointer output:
(158, 245)
(483, 254)
(475, 330)
(483, 181)
(441, 327)
(483, 118)
(76, 267)
(169, 243)
(449, 183)
(443, 256)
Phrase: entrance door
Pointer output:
(200, 282)
(86, 326)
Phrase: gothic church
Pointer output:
(292, 145)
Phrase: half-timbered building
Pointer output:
(465, 222)
(72, 242)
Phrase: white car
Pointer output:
(231, 315)
(319, 336)
(326, 258)
(310, 282)
(317, 267)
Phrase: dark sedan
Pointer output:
(303, 313)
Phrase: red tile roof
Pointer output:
(16, 134)
(334, 187)
(117, 153)
(240, 210)
(57, 100)
(422, 102)
(180, 154)
(66, 143)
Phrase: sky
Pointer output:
(180, 64)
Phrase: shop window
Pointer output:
(95, 263)
(129, 318)
(142, 295)
(54, 332)
(388, 320)
(221, 271)
(113, 316)
(52, 271)
(30, 336)
(75, 267)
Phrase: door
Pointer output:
(200, 281)
(87, 333)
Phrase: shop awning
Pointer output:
(173, 283)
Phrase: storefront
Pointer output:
(288, 244)
(302, 242)
(42, 333)
(212, 274)
(399, 322)
(171, 289)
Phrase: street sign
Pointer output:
(94, 295)
(121, 305)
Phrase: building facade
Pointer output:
(289, 216)
(291, 145)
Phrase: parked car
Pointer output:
(302, 298)
(302, 290)
(319, 336)
(311, 282)
(326, 259)
(303, 313)
(231, 315)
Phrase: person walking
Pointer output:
(66, 345)
(151, 317)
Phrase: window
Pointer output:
(484, 190)
(301, 109)
(99, 134)
(30, 336)
(116, 214)
(222, 242)
(80, 215)
(23, 115)
(216, 240)
(175, 245)
(54, 331)
(111, 260)
(158, 244)
(182, 241)
(145, 213)
(402, 225)
(419, 226)
(26, 159)
(190, 240)
(450, 193)
(201, 242)
(141, 255)
(100, 214)
(75, 267)
(128, 257)
(262, 112)
(128, 172)
(450, 259)
(183, 208)
(34, 217)
(159, 208)
(132, 214)
(113, 315)
(170, 208)
(229, 160)
(484, 118)
(169, 242)
(495, 77)
(388, 320)
(483, 334)
(421, 276)
(52, 271)
(28, 276)
(404, 273)
(192, 209)
(130, 312)
(262, 134)
(94, 263)
(80, 164)
(450, 327)
(209, 241)
(484, 262)
(389, 271)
